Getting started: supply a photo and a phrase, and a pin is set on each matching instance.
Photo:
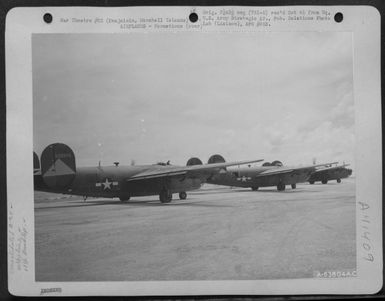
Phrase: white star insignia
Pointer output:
(106, 184)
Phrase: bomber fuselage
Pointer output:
(330, 174)
(251, 177)
(112, 181)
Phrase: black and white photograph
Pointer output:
(126, 126)
(195, 156)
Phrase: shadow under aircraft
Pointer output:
(56, 172)
(269, 174)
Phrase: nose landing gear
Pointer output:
(182, 195)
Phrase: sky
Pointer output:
(153, 97)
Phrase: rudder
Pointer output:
(58, 167)
(194, 161)
(36, 164)
(216, 159)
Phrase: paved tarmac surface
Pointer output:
(218, 233)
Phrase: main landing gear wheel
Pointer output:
(311, 182)
(338, 180)
(255, 188)
(281, 187)
(165, 196)
(293, 186)
(124, 199)
(182, 195)
(324, 181)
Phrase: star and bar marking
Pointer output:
(107, 184)
(244, 179)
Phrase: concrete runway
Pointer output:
(218, 233)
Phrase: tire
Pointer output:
(324, 181)
(338, 180)
(293, 186)
(281, 187)
(165, 196)
(311, 182)
(124, 199)
(255, 188)
(182, 195)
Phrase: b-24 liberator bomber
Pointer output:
(269, 174)
(57, 172)
(330, 173)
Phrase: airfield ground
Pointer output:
(218, 233)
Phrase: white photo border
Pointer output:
(362, 21)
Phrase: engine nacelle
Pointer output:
(194, 161)
(216, 159)
(58, 166)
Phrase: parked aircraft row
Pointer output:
(56, 171)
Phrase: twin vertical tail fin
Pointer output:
(36, 165)
(58, 167)
(216, 159)
(37, 179)
(194, 161)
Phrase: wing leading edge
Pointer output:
(331, 168)
(192, 171)
(310, 168)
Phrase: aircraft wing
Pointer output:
(193, 171)
(331, 168)
(287, 170)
